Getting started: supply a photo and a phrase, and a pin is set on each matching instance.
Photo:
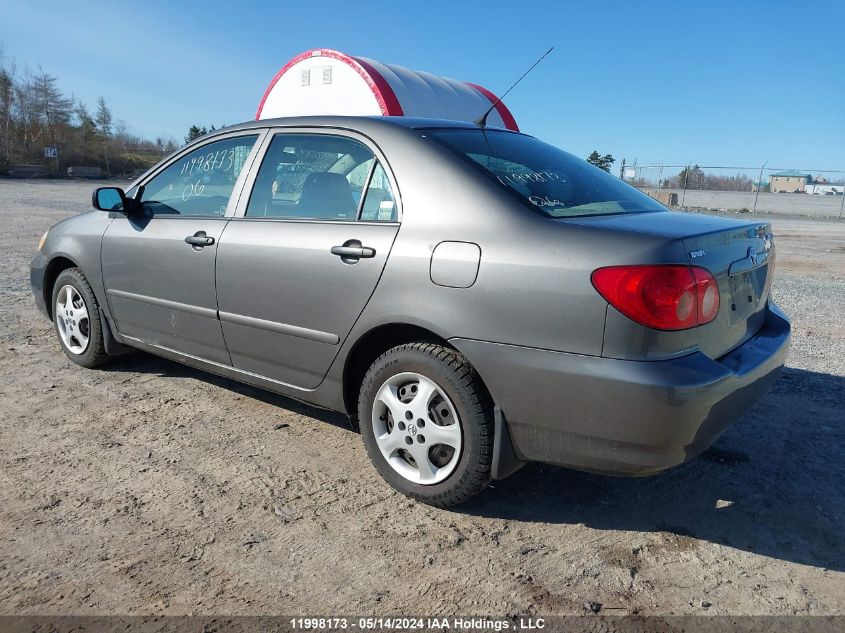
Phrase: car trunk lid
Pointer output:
(739, 254)
(741, 260)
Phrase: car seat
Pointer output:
(326, 195)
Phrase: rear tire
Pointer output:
(76, 319)
(427, 423)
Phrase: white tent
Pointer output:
(324, 81)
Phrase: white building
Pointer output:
(324, 81)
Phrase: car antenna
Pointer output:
(482, 120)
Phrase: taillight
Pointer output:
(660, 297)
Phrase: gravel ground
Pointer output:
(151, 488)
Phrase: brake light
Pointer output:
(660, 297)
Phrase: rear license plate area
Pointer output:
(748, 291)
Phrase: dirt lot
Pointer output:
(151, 488)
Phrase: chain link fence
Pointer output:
(741, 189)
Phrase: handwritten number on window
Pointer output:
(221, 160)
(192, 189)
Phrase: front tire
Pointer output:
(427, 423)
(76, 319)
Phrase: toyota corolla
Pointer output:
(474, 298)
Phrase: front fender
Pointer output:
(75, 242)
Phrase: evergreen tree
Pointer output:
(194, 132)
(691, 178)
(602, 162)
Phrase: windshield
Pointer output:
(550, 181)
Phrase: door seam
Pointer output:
(216, 297)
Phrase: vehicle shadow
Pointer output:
(140, 362)
(773, 485)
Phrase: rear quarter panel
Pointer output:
(533, 287)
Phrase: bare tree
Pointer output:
(695, 178)
(7, 83)
(35, 113)
(87, 127)
(104, 124)
(53, 109)
(121, 134)
(6, 103)
(27, 113)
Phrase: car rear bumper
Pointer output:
(625, 417)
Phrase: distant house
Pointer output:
(790, 181)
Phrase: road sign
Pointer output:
(51, 152)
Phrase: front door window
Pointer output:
(201, 182)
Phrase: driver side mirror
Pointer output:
(109, 199)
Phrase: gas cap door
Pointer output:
(455, 264)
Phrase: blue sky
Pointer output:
(716, 82)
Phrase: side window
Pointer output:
(311, 176)
(199, 183)
(379, 203)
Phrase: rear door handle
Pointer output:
(352, 250)
(199, 239)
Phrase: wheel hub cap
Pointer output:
(72, 320)
(417, 428)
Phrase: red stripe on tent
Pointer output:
(501, 108)
(386, 98)
(390, 105)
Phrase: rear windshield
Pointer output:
(548, 180)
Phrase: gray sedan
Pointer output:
(474, 298)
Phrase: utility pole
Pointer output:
(622, 170)
(684, 193)
(659, 180)
(759, 184)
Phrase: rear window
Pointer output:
(548, 180)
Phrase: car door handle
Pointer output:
(352, 250)
(199, 239)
